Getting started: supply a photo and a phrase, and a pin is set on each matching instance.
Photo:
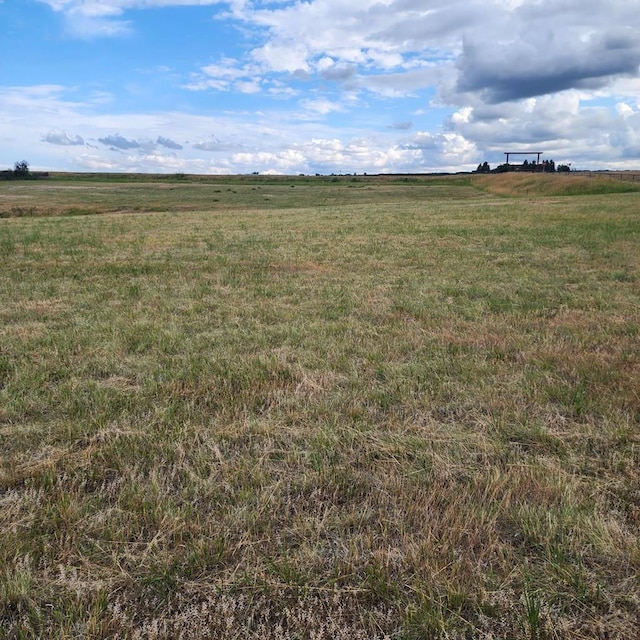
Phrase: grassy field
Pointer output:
(324, 409)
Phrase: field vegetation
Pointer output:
(319, 408)
(560, 184)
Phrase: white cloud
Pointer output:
(168, 143)
(286, 161)
(456, 150)
(320, 106)
(248, 86)
(55, 136)
(117, 7)
(474, 78)
(287, 56)
(502, 49)
(227, 75)
(117, 141)
(212, 144)
(227, 69)
(566, 126)
(405, 125)
(325, 63)
(93, 18)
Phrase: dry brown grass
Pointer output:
(357, 421)
(557, 184)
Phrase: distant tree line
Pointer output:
(21, 171)
(546, 166)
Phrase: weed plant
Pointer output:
(387, 411)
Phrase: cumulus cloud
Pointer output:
(442, 150)
(168, 143)
(535, 64)
(402, 126)
(108, 8)
(93, 18)
(226, 75)
(365, 154)
(119, 142)
(208, 145)
(338, 73)
(499, 49)
(286, 161)
(567, 126)
(321, 106)
(459, 81)
(326, 155)
(214, 145)
(55, 136)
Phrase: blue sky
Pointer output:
(320, 86)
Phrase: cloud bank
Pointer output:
(368, 85)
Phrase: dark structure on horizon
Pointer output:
(524, 153)
(544, 166)
(533, 165)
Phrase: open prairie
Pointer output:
(320, 408)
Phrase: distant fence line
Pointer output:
(625, 176)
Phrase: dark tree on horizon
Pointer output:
(21, 169)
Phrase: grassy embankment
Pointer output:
(291, 409)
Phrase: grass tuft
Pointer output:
(375, 407)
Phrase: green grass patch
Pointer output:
(358, 409)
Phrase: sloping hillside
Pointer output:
(514, 184)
